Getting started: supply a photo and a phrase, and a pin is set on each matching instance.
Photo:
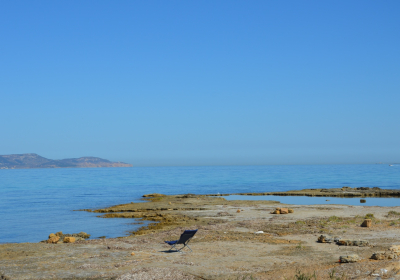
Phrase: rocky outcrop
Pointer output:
(349, 258)
(392, 253)
(282, 211)
(53, 239)
(69, 240)
(59, 237)
(328, 239)
(359, 243)
(335, 192)
(344, 242)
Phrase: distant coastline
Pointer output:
(29, 161)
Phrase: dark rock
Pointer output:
(153, 195)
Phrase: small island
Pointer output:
(27, 161)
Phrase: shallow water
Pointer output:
(36, 202)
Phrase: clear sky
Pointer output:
(201, 82)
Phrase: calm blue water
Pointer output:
(36, 202)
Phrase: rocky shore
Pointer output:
(333, 192)
(235, 240)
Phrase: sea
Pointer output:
(37, 202)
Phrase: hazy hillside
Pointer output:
(35, 161)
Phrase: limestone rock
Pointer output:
(336, 239)
(284, 211)
(349, 258)
(325, 239)
(82, 234)
(378, 256)
(54, 239)
(367, 223)
(59, 233)
(359, 243)
(78, 236)
(51, 235)
(392, 253)
(395, 248)
(69, 239)
(344, 242)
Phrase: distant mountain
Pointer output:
(36, 161)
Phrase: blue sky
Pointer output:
(201, 82)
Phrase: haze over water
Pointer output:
(36, 202)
